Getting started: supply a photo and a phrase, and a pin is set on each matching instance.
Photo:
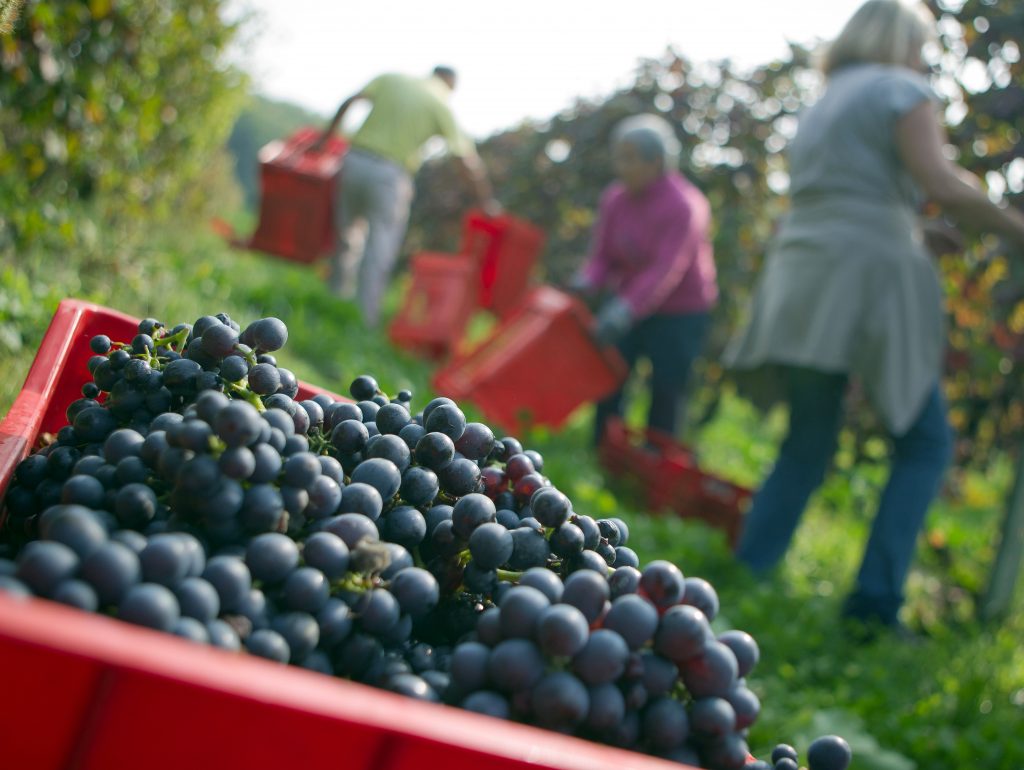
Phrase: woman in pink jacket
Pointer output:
(651, 252)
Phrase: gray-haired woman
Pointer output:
(848, 290)
(652, 254)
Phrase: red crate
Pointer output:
(537, 366)
(298, 189)
(670, 477)
(507, 249)
(117, 696)
(437, 305)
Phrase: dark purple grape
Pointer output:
(729, 752)
(591, 532)
(411, 686)
(76, 593)
(165, 560)
(746, 705)
(191, 629)
(363, 499)
(562, 631)
(784, 751)
(508, 519)
(830, 752)
(73, 525)
(567, 540)
(232, 579)
(403, 525)
(111, 570)
(469, 666)
(265, 335)
(515, 665)
(521, 611)
(682, 633)
(237, 463)
(470, 512)
(301, 470)
(411, 435)
(744, 648)
(460, 477)
(326, 552)
(390, 448)
(43, 565)
(712, 717)
(587, 591)
(265, 643)
(198, 599)
(352, 528)
(447, 419)
(382, 475)
(490, 545)
(560, 701)
(602, 659)
(609, 531)
(368, 412)
(701, 594)
(335, 620)
(150, 605)
(634, 618)
(100, 344)
(529, 549)
(416, 591)
(363, 387)
(419, 486)
(545, 581)
(623, 581)
(712, 672)
(332, 469)
(665, 724)
(486, 702)
(271, 557)
(392, 418)
(607, 708)
(377, 611)
(263, 505)
(625, 557)
(300, 631)
(435, 515)
(434, 451)
(306, 590)
(476, 441)
(662, 583)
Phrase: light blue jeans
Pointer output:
(919, 460)
(373, 213)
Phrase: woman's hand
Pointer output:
(613, 321)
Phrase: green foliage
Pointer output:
(263, 120)
(119, 104)
(9, 10)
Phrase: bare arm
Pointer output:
(920, 140)
(336, 120)
(472, 171)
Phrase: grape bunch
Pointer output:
(829, 752)
(195, 493)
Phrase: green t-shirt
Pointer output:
(407, 112)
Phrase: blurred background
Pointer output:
(126, 126)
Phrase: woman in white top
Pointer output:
(849, 291)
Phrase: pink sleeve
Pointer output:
(595, 271)
(677, 247)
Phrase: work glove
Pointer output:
(614, 321)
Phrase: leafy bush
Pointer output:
(121, 105)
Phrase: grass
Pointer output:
(955, 701)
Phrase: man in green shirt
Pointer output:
(377, 177)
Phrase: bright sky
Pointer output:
(529, 58)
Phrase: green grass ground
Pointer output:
(957, 701)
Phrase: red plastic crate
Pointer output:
(669, 475)
(437, 305)
(92, 693)
(537, 366)
(507, 249)
(298, 190)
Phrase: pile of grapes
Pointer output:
(404, 548)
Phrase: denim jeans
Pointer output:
(372, 215)
(671, 343)
(919, 460)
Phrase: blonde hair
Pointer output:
(882, 32)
